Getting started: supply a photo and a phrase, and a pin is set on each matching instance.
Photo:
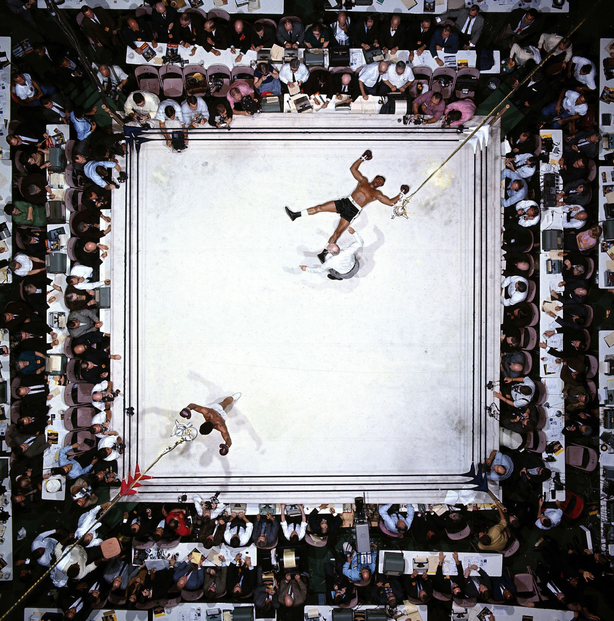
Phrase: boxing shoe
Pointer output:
(331, 277)
(236, 396)
(322, 255)
(293, 215)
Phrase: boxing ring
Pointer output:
(373, 385)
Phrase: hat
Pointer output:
(53, 485)
(186, 413)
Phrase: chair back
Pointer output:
(192, 83)
(592, 366)
(69, 149)
(267, 22)
(171, 79)
(147, 79)
(71, 248)
(72, 199)
(219, 14)
(215, 72)
(467, 79)
(15, 411)
(243, 73)
(383, 528)
(444, 81)
(542, 417)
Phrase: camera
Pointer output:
(419, 120)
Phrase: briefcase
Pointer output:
(339, 57)
(57, 159)
(373, 55)
(394, 563)
(314, 58)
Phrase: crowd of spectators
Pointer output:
(101, 571)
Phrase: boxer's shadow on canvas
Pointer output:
(236, 419)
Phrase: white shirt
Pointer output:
(369, 74)
(87, 520)
(586, 79)
(100, 419)
(189, 115)
(161, 115)
(150, 107)
(300, 75)
(569, 222)
(244, 534)
(84, 271)
(109, 442)
(48, 544)
(520, 400)
(569, 104)
(26, 264)
(116, 75)
(399, 80)
(340, 35)
(342, 262)
(554, 515)
(102, 387)
(525, 171)
(27, 90)
(523, 220)
(513, 296)
(288, 529)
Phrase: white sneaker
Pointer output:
(236, 396)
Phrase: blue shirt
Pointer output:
(352, 569)
(90, 171)
(513, 196)
(76, 470)
(83, 126)
(390, 519)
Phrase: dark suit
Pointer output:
(100, 32)
(241, 42)
(450, 45)
(590, 149)
(353, 88)
(296, 35)
(413, 586)
(416, 38)
(246, 576)
(443, 584)
(313, 86)
(532, 94)
(191, 32)
(219, 37)
(160, 25)
(389, 40)
(129, 36)
(267, 39)
(62, 104)
(471, 589)
(379, 595)
(508, 35)
(362, 35)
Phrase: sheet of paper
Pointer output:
(409, 4)
(254, 5)
(609, 339)
(3, 180)
(277, 53)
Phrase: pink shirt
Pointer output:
(244, 89)
(465, 106)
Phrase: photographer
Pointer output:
(98, 173)
(428, 108)
(113, 80)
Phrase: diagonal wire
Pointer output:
(113, 502)
(499, 106)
